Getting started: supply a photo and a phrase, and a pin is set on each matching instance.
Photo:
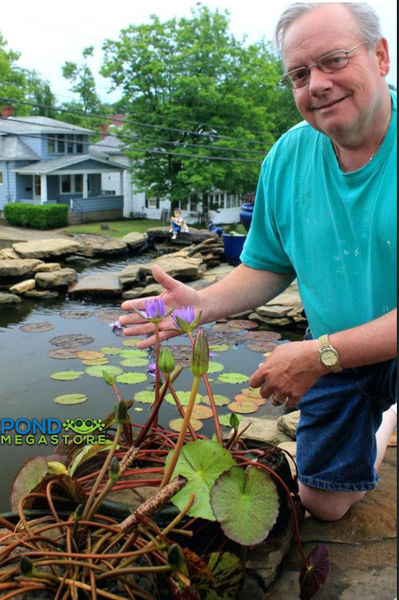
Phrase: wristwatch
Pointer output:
(328, 355)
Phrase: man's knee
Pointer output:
(326, 505)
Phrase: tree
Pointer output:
(201, 107)
(12, 78)
(82, 111)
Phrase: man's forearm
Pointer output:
(242, 289)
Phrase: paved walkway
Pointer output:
(363, 545)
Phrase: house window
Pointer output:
(61, 144)
(151, 203)
(51, 143)
(1, 178)
(73, 184)
(37, 186)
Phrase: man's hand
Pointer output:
(289, 372)
(175, 295)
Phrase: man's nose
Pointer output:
(318, 79)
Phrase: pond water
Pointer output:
(29, 335)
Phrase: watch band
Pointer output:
(324, 342)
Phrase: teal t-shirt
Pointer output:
(337, 231)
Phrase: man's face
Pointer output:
(344, 101)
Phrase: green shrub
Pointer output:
(46, 216)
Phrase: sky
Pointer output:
(47, 33)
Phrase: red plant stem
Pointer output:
(218, 428)
(182, 412)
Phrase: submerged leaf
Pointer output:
(313, 576)
(246, 504)
(37, 327)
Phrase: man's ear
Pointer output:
(382, 53)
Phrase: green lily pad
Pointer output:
(244, 407)
(66, 375)
(176, 424)
(215, 367)
(184, 397)
(27, 478)
(201, 463)
(145, 396)
(219, 399)
(70, 399)
(228, 572)
(219, 347)
(225, 420)
(96, 361)
(135, 361)
(98, 371)
(89, 354)
(131, 378)
(111, 350)
(131, 341)
(133, 353)
(246, 504)
(233, 378)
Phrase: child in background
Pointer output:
(177, 224)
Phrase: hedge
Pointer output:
(46, 216)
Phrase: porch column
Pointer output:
(85, 185)
(43, 189)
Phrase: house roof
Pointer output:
(109, 145)
(65, 163)
(13, 148)
(32, 124)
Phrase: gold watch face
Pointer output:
(329, 358)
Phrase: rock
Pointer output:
(23, 286)
(290, 447)
(263, 430)
(41, 294)
(47, 267)
(60, 278)
(8, 253)
(17, 267)
(9, 298)
(130, 275)
(179, 267)
(99, 245)
(101, 284)
(46, 248)
(135, 241)
(137, 292)
(288, 423)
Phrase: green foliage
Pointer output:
(46, 216)
(203, 109)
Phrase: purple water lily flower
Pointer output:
(154, 311)
(152, 370)
(117, 327)
(185, 319)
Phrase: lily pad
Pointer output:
(184, 397)
(218, 398)
(201, 463)
(106, 315)
(135, 361)
(176, 424)
(242, 324)
(37, 327)
(202, 412)
(225, 420)
(132, 353)
(63, 353)
(233, 378)
(131, 378)
(215, 367)
(244, 407)
(246, 504)
(27, 478)
(263, 336)
(111, 350)
(263, 347)
(89, 354)
(96, 361)
(70, 399)
(66, 375)
(98, 371)
(75, 314)
(72, 340)
(219, 347)
(145, 396)
(131, 341)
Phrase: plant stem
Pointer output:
(183, 431)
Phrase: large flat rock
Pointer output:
(46, 248)
(97, 285)
(17, 267)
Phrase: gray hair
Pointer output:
(365, 16)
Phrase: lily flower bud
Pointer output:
(166, 361)
(200, 356)
(113, 471)
(121, 415)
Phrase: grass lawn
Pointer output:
(116, 229)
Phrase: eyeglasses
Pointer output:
(329, 63)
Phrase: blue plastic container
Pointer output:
(233, 245)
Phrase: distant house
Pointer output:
(43, 160)
(228, 205)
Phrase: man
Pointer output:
(324, 214)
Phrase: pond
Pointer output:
(39, 339)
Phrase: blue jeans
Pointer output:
(340, 415)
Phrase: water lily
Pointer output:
(155, 311)
(185, 319)
(117, 327)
